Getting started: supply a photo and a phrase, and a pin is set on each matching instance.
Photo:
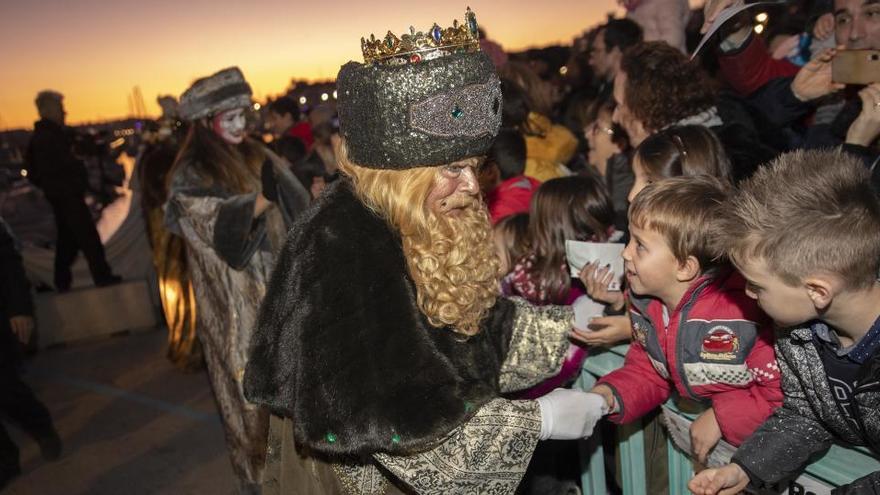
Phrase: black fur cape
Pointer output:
(342, 348)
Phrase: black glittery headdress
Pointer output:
(422, 99)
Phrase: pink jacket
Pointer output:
(717, 348)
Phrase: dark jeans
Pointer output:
(77, 232)
(18, 403)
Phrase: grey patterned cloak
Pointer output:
(230, 255)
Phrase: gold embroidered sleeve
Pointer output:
(289, 471)
(537, 346)
(361, 479)
(488, 454)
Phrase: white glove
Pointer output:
(570, 414)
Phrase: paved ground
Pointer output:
(131, 423)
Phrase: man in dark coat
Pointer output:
(17, 401)
(53, 168)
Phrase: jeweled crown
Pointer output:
(417, 46)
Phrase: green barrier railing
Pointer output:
(839, 466)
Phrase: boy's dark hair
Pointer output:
(622, 34)
(807, 213)
(283, 106)
(509, 153)
(686, 211)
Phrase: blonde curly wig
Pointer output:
(451, 260)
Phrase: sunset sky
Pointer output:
(96, 51)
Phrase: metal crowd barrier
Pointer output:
(839, 466)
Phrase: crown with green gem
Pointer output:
(418, 46)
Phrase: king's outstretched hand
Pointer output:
(570, 414)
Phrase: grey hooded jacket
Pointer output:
(810, 419)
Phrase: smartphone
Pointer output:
(856, 67)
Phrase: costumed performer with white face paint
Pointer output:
(232, 200)
(382, 347)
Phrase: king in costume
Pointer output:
(382, 348)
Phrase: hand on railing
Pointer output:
(705, 434)
(726, 480)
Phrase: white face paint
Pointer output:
(230, 125)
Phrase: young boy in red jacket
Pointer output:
(695, 332)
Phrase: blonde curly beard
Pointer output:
(454, 265)
(450, 257)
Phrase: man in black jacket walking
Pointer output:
(17, 401)
(53, 168)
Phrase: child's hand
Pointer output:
(605, 331)
(607, 394)
(596, 280)
(705, 433)
(726, 480)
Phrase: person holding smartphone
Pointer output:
(787, 94)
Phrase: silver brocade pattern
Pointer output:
(227, 300)
(450, 114)
(537, 346)
(361, 479)
(376, 102)
(488, 455)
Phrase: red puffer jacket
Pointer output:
(511, 197)
(717, 348)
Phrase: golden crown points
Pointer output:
(414, 46)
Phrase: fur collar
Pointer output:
(342, 348)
